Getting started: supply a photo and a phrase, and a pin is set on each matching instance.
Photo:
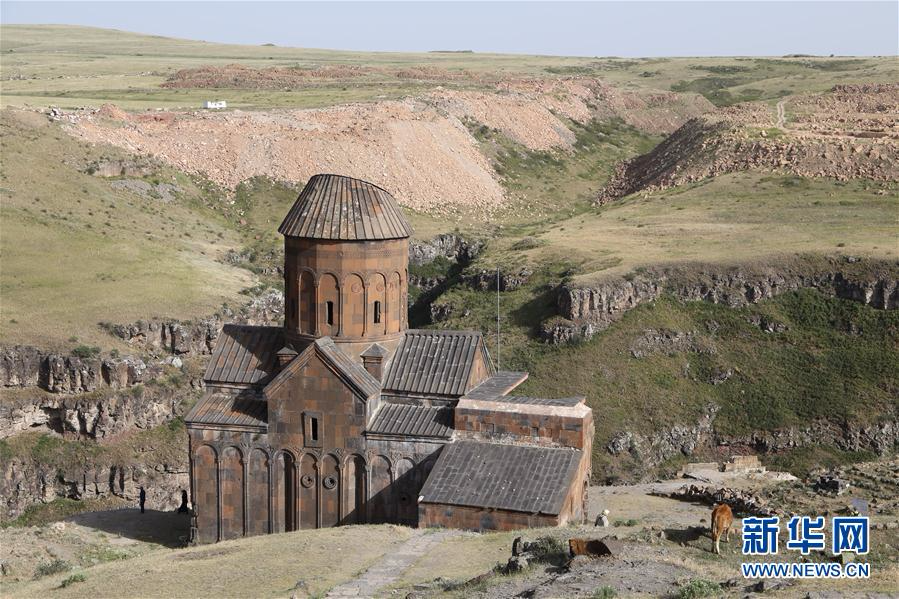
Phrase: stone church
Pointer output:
(345, 415)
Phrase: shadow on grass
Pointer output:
(169, 529)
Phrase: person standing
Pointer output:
(183, 508)
(142, 498)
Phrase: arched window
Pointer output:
(330, 313)
(377, 312)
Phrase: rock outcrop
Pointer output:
(25, 366)
(99, 415)
(26, 483)
(486, 280)
(198, 337)
(849, 133)
(646, 451)
(454, 248)
(586, 309)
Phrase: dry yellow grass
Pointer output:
(729, 219)
(266, 566)
(76, 251)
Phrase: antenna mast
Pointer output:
(497, 318)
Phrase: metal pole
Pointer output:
(497, 318)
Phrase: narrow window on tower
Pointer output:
(312, 432)
(330, 313)
(377, 312)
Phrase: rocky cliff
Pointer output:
(586, 309)
(90, 445)
(98, 415)
(640, 454)
(27, 482)
(25, 366)
(198, 337)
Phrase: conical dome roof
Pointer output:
(344, 208)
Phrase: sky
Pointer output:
(642, 28)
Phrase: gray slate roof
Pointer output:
(244, 354)
(507, 477)
(339, 207)
(434, 362)
(413, 420)
(365, 383)
(352, 372)
(497, 385)
(229, 408)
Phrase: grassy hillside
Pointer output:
(732, 218)
(835, 360)
(74, 66)
(78, 251)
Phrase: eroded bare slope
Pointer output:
(849, 133)
(419, 148)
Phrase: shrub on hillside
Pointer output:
(72, 580)
(50, 568)
(86, 352)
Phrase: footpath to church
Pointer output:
(391, 566)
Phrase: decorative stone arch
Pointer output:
(355, 488)
(284, 483)
(330, 507)
(395, 303)
(205, 469)
(307, 313)
(258, 485)
(214, 446)
(232, 492)
(377, 303)
(329, 303)
(308, 489)
(380, 500)
(352, 454)
(353, 316)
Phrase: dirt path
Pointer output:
(781, 115)
(391, 567)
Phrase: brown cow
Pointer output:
(722, 518)
(589, 547)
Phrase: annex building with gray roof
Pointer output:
(346, 415)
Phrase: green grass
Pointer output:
(838, 360)
(73, 579)
(76, 251)
(734, 218)
(52, 567)
(58, 509)
(548, 186)
(698, 588)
